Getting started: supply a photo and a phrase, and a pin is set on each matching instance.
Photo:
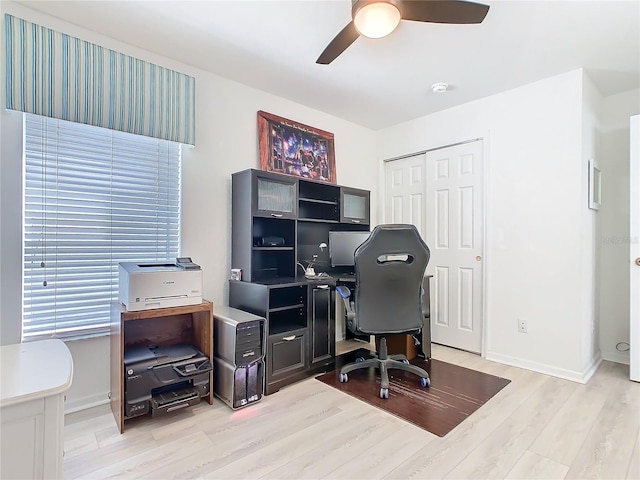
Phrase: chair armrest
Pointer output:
(345, 293)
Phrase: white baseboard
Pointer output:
(86, 402)
(574, 376)
(616, 356)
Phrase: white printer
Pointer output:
(147, 285)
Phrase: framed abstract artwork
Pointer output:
(293, 148)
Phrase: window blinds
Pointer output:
(93, 197)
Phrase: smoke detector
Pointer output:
(439, 87)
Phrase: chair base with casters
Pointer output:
(384, 362)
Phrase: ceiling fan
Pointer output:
(378, 18)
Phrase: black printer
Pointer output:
(164, 379)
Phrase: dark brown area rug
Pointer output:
(455, 393)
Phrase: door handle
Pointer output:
(478, 258)
(289, 338)
(277, 215)
(638, 261)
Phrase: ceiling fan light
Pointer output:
(377, 20)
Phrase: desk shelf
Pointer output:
(283, 328)
(319, 202)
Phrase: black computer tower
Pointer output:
(238, 386)
(239, 348)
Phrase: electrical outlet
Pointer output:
(522, 325)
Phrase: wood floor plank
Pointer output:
(161, 456)
(128, 445)
(608, 375)
(532, 466)
(334, 430)
(80, 444)
(236, 444)
(375, 462)
(438, 458)
(607, 450)
(500, 451)
(347, 443)
(563, 436)
(634, 463)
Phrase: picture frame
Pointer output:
(293, 148)
(595, 185)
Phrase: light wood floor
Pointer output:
(536, 427)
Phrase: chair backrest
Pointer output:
(389, 267)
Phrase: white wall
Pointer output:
(10, 222)
(232, 145)
(534, 218)
(226, 141)
(613, 238)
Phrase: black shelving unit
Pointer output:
(279, 221)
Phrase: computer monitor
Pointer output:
(342, 246)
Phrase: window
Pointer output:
(93, 197)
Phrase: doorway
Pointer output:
(634, 234)
(441, 192)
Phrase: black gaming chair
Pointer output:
(389, 267)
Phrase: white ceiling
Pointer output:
(272, 45)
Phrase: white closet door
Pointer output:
(455, 226)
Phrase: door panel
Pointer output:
(441, 307)
(405, 192)
(454, 182)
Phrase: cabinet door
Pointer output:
(322, 341)
(274, 195)
(23, 441)
(354, 205)
(286, 354)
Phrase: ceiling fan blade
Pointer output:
(443, 11)
(339, 44)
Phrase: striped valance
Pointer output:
(55, 75)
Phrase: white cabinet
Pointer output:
(34, 377)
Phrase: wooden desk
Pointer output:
(34, 377)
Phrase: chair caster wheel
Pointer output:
(425, 382)
(343, 378)
(384, 393)
(359, 359)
